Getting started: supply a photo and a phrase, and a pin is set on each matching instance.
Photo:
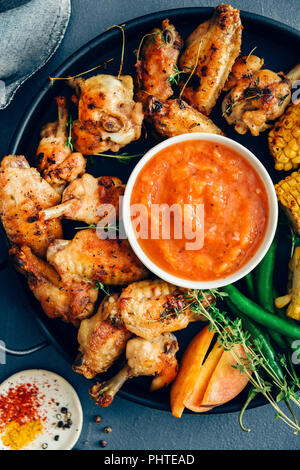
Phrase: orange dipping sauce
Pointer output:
(234, 202)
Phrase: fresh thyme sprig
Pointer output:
(250, 53)
(121, 28)
(121, 157)
(282, 98)
(69, 142)
(152, 38)
(101, 287)
(86, 227)
(107, 228)
(175, 76)
(254, 365)
(111, 228)
(53, 79)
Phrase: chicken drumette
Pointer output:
(255, 95)
(174, 117)
(23, 194)
(88, 199)
(108, 117)
(102, 339)
(156, 357)
(150, 308)
(213, 46)
(69, 299)
(55, 160)
(168, 117)
(159, 56)
(87, 257)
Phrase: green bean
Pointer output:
(269, 353)
(261, 316)
(264, 288)
(258, 335)
(250, 285)
(264, 278)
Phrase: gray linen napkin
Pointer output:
(30, 33)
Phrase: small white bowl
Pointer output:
(265, 243)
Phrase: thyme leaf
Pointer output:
(254, 365)
(69, 142)
(100, 286)
(121, 157)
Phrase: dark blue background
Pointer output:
(133, 426)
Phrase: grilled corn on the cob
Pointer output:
(284, 139)
(293, 296)
(288, 193)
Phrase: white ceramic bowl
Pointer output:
(265, 243)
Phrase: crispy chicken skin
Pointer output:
(148, 308)
(156, 357)
(83, 197)
(55, 160)
(23, 193)
(108, 117)
(87, 257)
(174, 117)
(70, 300)
(255, 96)
(102, 339)
(217, 44)
(159, 56)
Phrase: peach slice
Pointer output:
(189, 370)
(225, 383)
(194, 400)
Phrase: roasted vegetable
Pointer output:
(284, 139)
(285, 326)
(288, 193)
(293, 296)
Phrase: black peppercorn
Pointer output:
(103, 443)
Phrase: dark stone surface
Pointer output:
(133, 426)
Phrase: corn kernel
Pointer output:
(284, 139)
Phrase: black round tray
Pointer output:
(277, 43)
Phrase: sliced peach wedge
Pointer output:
(205, 382)
(189, 370)
(224, 383)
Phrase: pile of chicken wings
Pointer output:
(176, 85)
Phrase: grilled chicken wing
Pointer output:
(149, 308)
(70, 300)
(83, 198)
(256, 96)
(159, 54)
(144, 357)
(23, 193)
(215, 45)
(108, 117)
(174, 117)
(102, 339)
(55, 160)
(87, 257)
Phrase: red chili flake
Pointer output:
(20, 404)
